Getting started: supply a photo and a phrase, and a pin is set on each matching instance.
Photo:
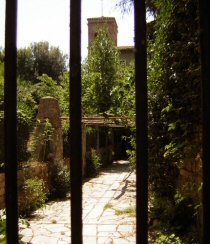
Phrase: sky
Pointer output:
(48, 20)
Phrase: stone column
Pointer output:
(49, 109)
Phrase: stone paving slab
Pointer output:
(113, 189)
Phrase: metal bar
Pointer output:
(10, 115)
(204, 8)
(141, 121)
(75, 122)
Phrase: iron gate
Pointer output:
(75, 114)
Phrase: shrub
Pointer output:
(60, 180)
(33, 195)
(93, 163)
(2, 226)
(168, 239)
(3, 238)
(38, 144)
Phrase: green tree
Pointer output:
(174, 83)
(64, 96)
(174, 111)
(41, 58)
(123, 93)
(25, 64)
(100, 73)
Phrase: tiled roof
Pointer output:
(102, 17)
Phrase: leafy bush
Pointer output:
(93, 163)
(168, 239)
(3, 226)
(38, 144)
(33, 195)
(175, 217)
(60, 180)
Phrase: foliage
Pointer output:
(33, 195)
(126, 6)
(179, 215)
(100, 73)
(66, 139)
(28, 97)
(174, 80)
(174, 88)
(63, 95)
(29, 94)
(41, 58)
(168, 239)
(25, 62)
(3, 226)
(23, 132)
(38, 144)
(174, 112)
(93, 163)
(91, 137)
(60, 180)
(123, 93)
(132, 152)
(26, 103)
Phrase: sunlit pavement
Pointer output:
(103, 223)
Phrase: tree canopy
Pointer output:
(100, 73)
(41, 58)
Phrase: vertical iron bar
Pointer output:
(141, 121)
(75, 122)
(10, 122)
(205, 73)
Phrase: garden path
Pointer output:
(108, 212)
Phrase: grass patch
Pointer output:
(131, 211)
(108, 205)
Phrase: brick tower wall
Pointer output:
(93, 23)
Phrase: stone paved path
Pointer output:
(113, 190)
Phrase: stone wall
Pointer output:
(42, 171)
(191, 176)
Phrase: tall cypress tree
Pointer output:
(100, 73)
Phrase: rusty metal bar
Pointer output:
(141, 121)
(10, 115)
(204, 6)
(75, 122)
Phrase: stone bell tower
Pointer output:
(93, 23)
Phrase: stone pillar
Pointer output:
(49, 109)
